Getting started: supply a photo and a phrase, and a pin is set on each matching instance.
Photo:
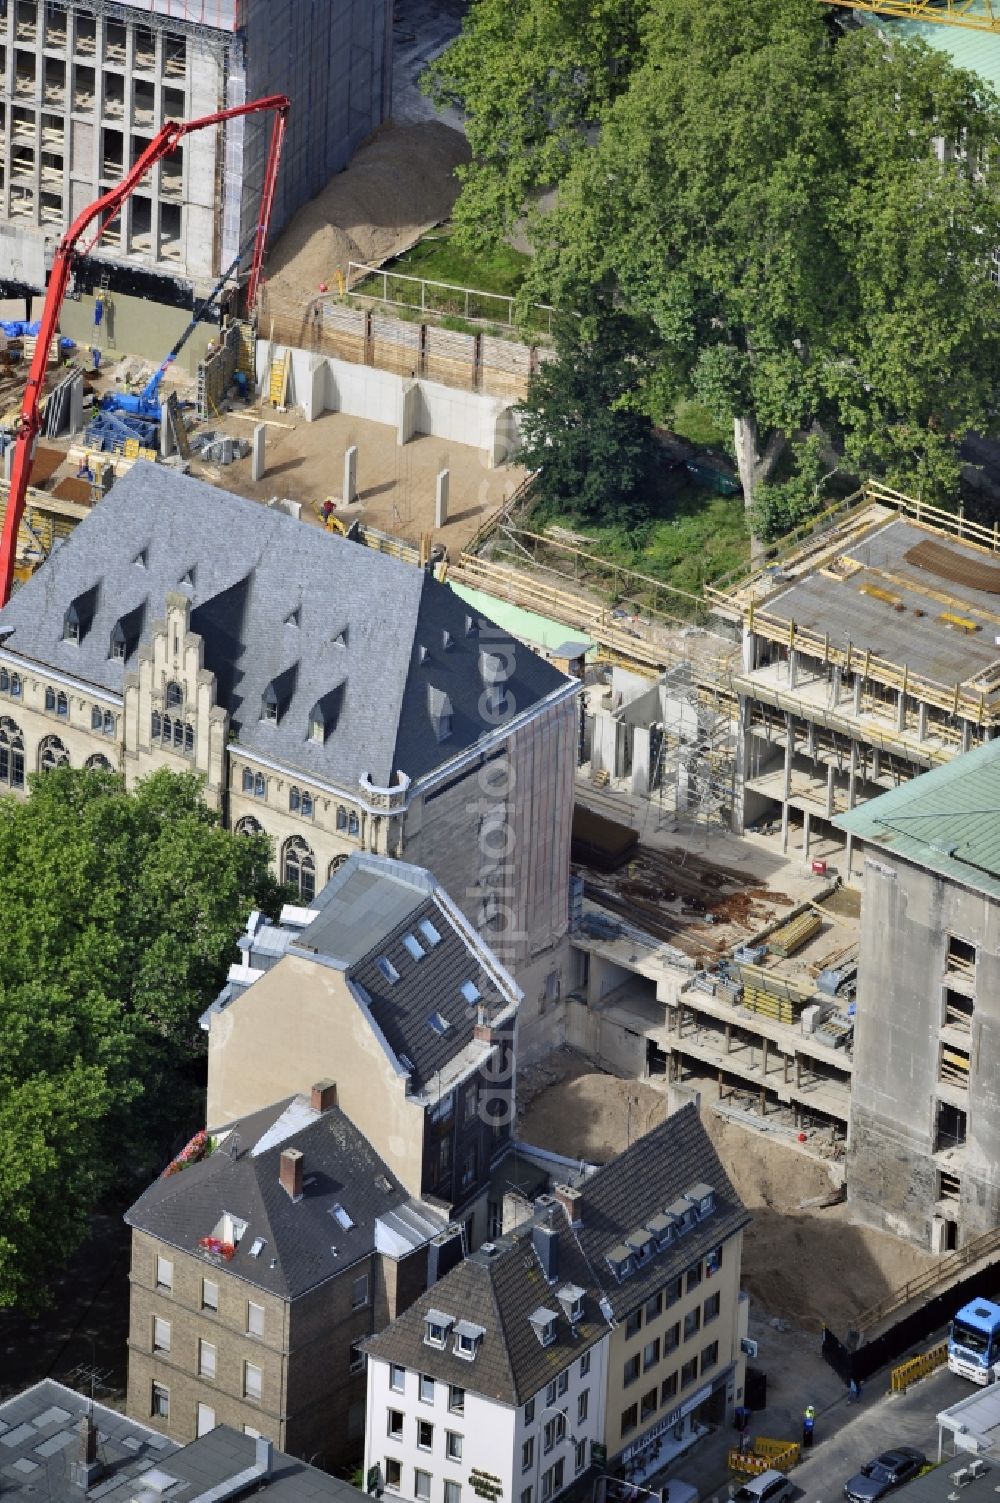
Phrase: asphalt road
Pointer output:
(908, 1419)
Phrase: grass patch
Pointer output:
(693, 538)
(439, 259)
(695, 423)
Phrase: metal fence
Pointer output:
(445, 298)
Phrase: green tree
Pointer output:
(119, 912)
(770, 195)
(581, 429)
(531, 77)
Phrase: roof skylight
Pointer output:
(429, 932)
(388, 970)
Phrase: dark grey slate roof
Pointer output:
(647, 1178)
(499, 1292)
(327, 622)
(241, 1177)
(39, 1443)
(38, 1461)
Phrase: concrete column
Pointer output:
(406, 411)
(966, 735)
(805, 834)
(857, 694)
(876, 764)
(851, 793)
(836, 681)
(901, 712)
(441, 498)
(829, 792)
(811, 740)
(921, 722)
(350, 492)
(749, 650)
(257, 451)
(787, 788)
(793, 667)
(166, 437)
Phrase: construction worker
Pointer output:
(808, 1425)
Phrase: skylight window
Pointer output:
(388, 969)
(470, 992)
(342, 1217)
(439, 1023)
(407, 1063)
(429, 932)
(257, 1248)
(413, 946)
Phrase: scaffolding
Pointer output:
(693, 750)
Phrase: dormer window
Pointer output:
(570, 1297)
(440, 710)
(71, 625)
(683, 1213)
(641, 1245)
(118, 641)
(269, 705)
(436, 1328)
(543, 1323)
(702, 1197)
(620, 1262)
(662, 1229)
(467, 1339)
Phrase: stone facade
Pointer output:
(925, 1105)
(200, 1356)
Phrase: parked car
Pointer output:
(767, 1487)
(887, 1471)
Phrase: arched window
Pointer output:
(341, 817)
(168, 730)
(259, 785)
(353, 823)
(50, 698)
(96, 718)
(97, 763)
(179, 733)
(307, 805)
(189, 739)
(62, 705)
(155, 726)
(298, 867)
(173, 695)
(247, 780)
(249, 826)
(109, 723)
(294, 800)
(11, 753)
(335, 866)
(51, 754)
(15, 686)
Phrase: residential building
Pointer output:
(261, 1259)
(64, 1444)
(85, 87)
(662, 1228)
(493, 1383)
(181, 626)
(925, 1116)
(869, 654)
(383, 987)
(641, 1260)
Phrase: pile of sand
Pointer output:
(805, 1264)
(398, 186)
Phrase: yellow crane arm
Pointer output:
(977, 15)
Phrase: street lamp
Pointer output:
(559, 1440)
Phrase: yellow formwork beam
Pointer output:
(977, 15)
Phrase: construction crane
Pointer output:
(105, 209)
(976, 15)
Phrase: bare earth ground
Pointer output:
(808, 1266)
(395, 188)
(305, 462)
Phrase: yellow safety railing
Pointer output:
(781, 1455)
(918, 1367)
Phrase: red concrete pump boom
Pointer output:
(105, 209)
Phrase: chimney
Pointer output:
(324, 1095)
(482, 1032)
(545, 1241)
(443, 1253)
(263, 1456)
(290, 1173)
(571, 1201)
(86, 1469)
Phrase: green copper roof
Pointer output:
(947, 820)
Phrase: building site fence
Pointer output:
(907, 1373)
(447, 299)
(764, 1455)
(365, 336)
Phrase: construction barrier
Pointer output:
(916, 1368)
(782, 1455)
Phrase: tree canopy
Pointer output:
(119, 912)
(806, 218)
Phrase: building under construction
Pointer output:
(869, 653)
(85, 84)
